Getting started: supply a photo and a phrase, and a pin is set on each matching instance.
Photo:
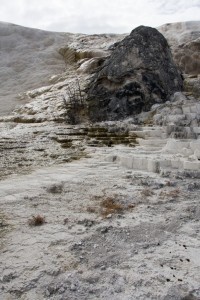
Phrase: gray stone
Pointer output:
(73, 287)
(139, 73)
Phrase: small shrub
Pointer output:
(168, 183)
(91, 209)
(147, 192)
(66, 220)
(76, 108)
(36, 220)
(170, 194)
(131, 206)
(110, 206)
(174, 193)
(55, 188)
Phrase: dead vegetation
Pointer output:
(76, 108)
(147, 192)
(170, 194)
(37, 220)
(91, 209)
(55, 188)
(109, 205)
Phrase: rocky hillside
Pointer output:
(30, 58)
(100, 210)
(185, 44)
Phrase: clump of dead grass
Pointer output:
(37, 220)
(147, 192)
(109, 205)
(91, 209)
(175, 193)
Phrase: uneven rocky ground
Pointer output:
(118, 223)
(109, 233)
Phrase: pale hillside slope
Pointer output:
(27, 59)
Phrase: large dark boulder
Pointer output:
(139, 73)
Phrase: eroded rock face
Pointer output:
(184, 40)
(188, 57)
(139, 73)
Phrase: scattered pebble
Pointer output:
(104, 230)
(65, 221)
(73, 287)
(109, 216)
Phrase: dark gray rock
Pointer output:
(139, 73)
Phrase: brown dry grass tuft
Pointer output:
(110, 206)
(36, 220)
(91, 209)
(146, 192)
(170, 194)
(174, 193)
(131, 206)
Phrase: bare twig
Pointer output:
(76, 101)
